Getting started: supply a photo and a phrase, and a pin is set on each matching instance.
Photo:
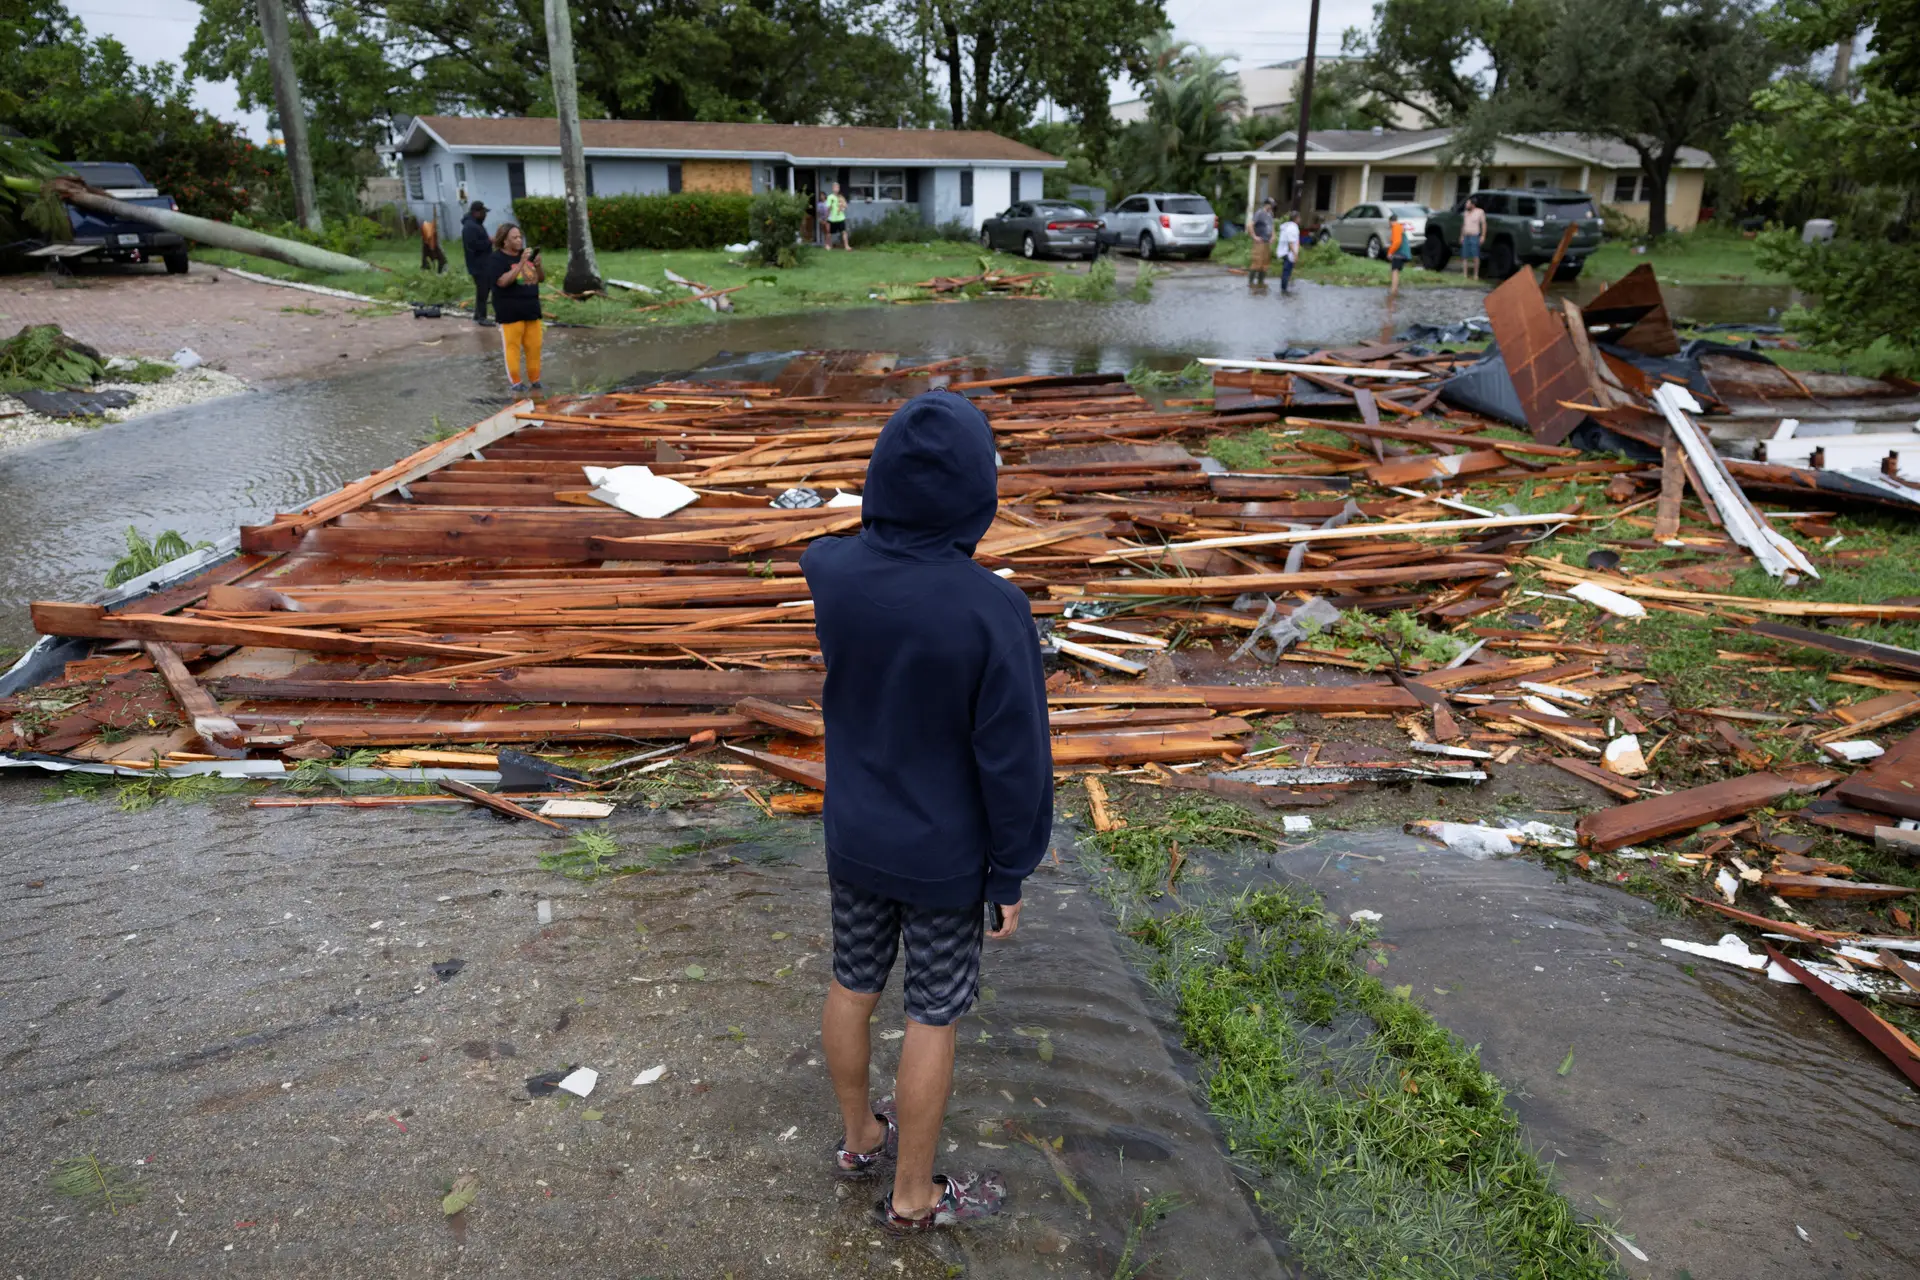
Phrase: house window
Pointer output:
(1541, 179)
(1462, 188)
(460, 173)
(877, 184)
(1323, 193)
(517, 179)
(1013, 184)
(1400, 188)
(1631, 188)
(966, 188)
(589, 180)
(673, 178)
(415, 191)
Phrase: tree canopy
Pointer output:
(1846, 154)
(1191, 101)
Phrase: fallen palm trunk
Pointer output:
(206, 231)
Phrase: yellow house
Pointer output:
(1346, 167)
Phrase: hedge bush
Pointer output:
(774, 222)
(684, 221)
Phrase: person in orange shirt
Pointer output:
(1399, 250)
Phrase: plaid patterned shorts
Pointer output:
(943, 951)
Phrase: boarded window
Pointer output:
(966, 188)
(1400, 188)
(517, 179)
(673, 178)
(415, 191)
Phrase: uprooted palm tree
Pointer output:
(1191, 104)
(25, 208)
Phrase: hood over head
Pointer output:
(932, 484)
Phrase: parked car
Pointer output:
(122, 240)
(1522, 227)
(1036, 228)
(1363, 228)
(1161, 224)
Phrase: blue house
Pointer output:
(446, 162)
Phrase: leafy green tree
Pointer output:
(1849, 155)
(1655, 75)
(1443, 58)
(1004, 57)
(363, 61)
(1192, 100)
(88, 100)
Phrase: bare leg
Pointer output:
(844, 1035)
(926, 1077)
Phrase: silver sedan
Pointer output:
(1363, 228)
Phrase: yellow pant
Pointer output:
(522, 342)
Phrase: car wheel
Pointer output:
(1375, 249)
(1500, 260)
(1570, 269)
(986, 240)
(1146, 245)
(1027, 247)
(1434, 254)
(176, 263)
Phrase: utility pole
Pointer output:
(583, 269)
(293, 113)
(1306, 110)
(1843, 64)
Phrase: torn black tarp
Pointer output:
(1484, 387)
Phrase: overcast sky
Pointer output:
(159, 31)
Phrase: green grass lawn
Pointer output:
(1705, 255)
(864, 277)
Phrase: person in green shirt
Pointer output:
(837, 219)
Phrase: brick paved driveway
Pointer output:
(259, 332)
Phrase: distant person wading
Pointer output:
(515, 273)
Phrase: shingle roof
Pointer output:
(1601, 151)
(1612, 154)
(1344, 141)
(801, 142)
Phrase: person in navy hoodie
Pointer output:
(942, 785)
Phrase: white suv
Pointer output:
(1158, 224)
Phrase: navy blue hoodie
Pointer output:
(940, 770)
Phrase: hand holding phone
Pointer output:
(1002, 921)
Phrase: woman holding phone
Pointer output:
(517, 273)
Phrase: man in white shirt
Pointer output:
(1288, 246)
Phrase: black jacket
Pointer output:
(511, 302)
(478, 244)
(940, 767)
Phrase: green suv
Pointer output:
(1522, 227)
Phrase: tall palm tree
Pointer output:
(1192, 101)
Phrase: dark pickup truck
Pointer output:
(120, 240)
(1522, 227)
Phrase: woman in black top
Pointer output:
(516, 274)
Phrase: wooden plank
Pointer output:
(92, 621)
(1138, 748)
(1442, 468)
(1787, 927)
(1437, 528)
(1260, 697)
(1789, 885)
(1433, 435)
(337, 730)
(499, 804)
(1103, 819)
(1599, 777)
(1886, 655)
(804, 721)
(1856, 1015)
(215, 728)
(1559, 252)
(1673, 487)
(596, 685)
(1309, 580)
(806, 773)
(1681, 811)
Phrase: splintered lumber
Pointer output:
(1896, 1047)
(1266, 698)
(215, 728)
(1310, 580)
(1103, 819)
(1673, 488)
(545, 684)
(805, 722)
(806, 773)
(1434, 436)
(1566, 575)
(1599, 777)
(1682, 811)
(92, 620)
(499, 804)
(1787, 927)
(1776, 554)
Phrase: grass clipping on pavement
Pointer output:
(1370, 1134)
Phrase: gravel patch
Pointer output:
(20, 427)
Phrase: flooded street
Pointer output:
(258, 1032)
(209, 468)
